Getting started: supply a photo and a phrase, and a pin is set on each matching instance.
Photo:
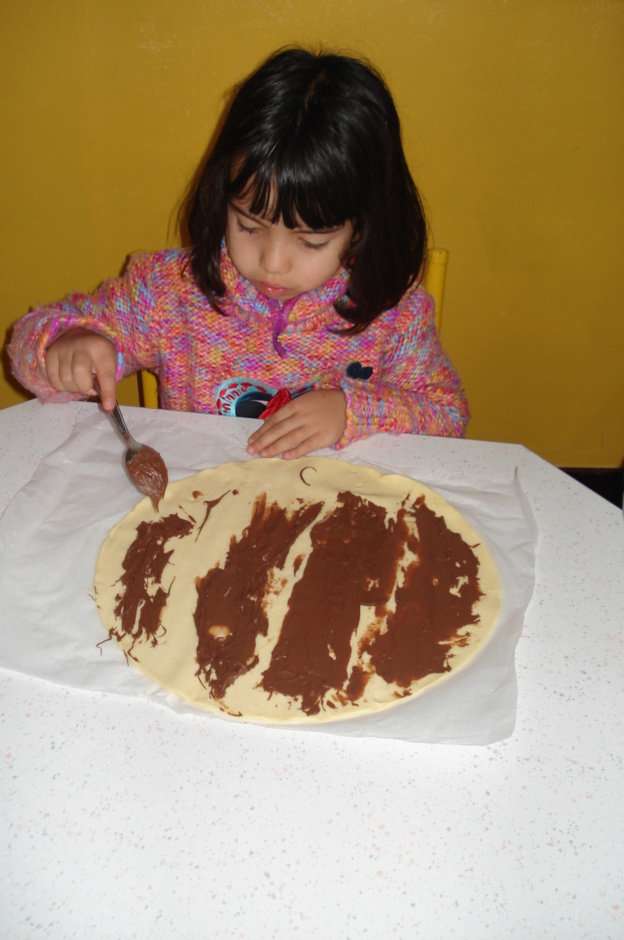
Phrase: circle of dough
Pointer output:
(171, 661)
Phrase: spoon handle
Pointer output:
(115, 414)
(117, 417)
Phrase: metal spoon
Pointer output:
(145, 466)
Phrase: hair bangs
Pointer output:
(284, 186)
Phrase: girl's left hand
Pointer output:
(314, 420)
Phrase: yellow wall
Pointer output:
(513, 124)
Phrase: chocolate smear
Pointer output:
(230, 612)
(354, 559)
(302, 471)
(138, 609)
(356, 555)
(434, 602)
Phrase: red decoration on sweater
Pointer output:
(278, 401)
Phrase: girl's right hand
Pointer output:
(75, 357)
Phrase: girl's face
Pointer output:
(281, 262)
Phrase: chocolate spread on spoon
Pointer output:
(148, 472)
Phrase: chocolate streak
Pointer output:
(143, 566)
(433, 604)
(354, 560)
(301, 476)
(230, 612)
(210, 505)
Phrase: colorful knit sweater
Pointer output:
(395, 374)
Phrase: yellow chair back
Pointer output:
(148, 389)
(435, 277)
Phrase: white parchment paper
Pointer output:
(52, 531)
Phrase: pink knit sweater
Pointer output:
(158, 319)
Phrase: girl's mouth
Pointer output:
(272, 290)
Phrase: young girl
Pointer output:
(298, 299)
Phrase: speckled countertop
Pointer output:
(122, 819)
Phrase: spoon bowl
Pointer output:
(145, 466)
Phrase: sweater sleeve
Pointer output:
(416, 391)
(121, 310)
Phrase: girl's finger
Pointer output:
(52, 371)
(303, 449)
(270, 433)
(82, 371)
(108, 386)
(280, 443)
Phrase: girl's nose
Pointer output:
(275, 255)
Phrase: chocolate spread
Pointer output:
(233, 597)
(358, 555)
(430, 606)
(143, 565)
(148, 472)
(354, 561)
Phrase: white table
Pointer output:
(122, 819)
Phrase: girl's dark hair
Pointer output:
(315, 138)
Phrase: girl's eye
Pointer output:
(244, 228)
(315, 246)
